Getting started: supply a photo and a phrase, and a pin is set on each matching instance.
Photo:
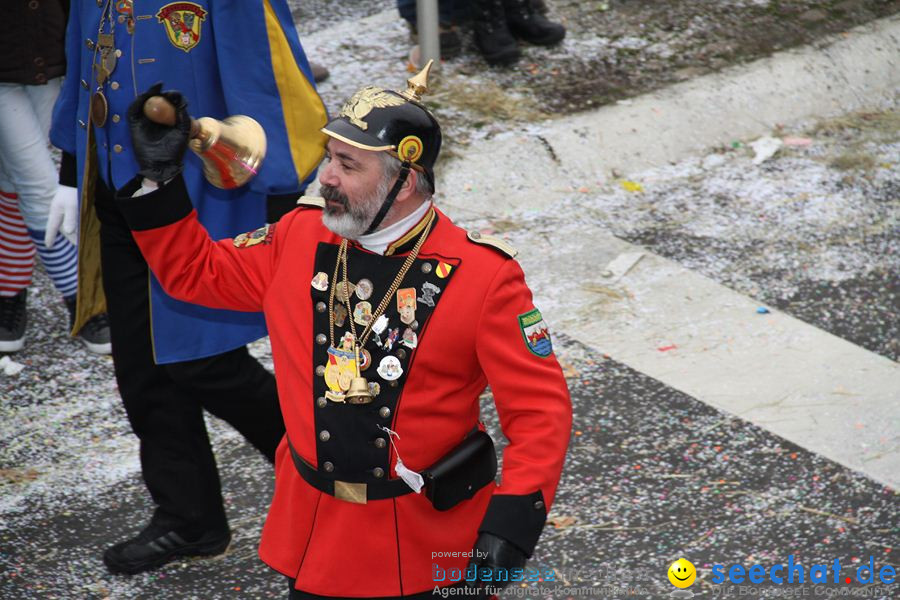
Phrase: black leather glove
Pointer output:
(159, 149)
(494, 553)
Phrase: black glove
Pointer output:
(494, 553)
(159, 149)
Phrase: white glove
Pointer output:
(64, 213)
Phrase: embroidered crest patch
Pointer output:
(263, 235)
(181, 21)
(535, 333)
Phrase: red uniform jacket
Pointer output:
(483, 329)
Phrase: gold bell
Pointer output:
(231, 150)
(358, 392)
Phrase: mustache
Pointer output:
(331, 193)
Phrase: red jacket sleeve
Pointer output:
(232, 274)
(532, 399)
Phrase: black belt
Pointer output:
(357, 493)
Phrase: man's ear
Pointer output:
(408, 189)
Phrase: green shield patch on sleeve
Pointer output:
(535, 333)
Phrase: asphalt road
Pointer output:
(652, 473)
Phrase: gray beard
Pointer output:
(355, 220)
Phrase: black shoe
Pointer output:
(154, 547)
(527, 23)
(95, 333)
(492, 36)
(13, 318)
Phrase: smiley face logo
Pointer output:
(682, 573)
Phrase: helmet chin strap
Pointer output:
(389, 199)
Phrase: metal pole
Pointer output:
(429, 35)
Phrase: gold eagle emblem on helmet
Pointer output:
(362, 102)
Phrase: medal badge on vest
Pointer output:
(429, 290)
(390, 368)
(341, 368)
(406, 305)
(320, 281)
(364, 289)
(443, 269)
(105, 60)
(340, 315)
(125, 8)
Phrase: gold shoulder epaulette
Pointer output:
(495, 242)
(311, 201)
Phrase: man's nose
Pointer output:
(326, 174)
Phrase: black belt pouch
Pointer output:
(460, 473)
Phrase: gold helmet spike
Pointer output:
(417, 85)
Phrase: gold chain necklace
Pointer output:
(382, 306)
(360, 342)
(103, 69)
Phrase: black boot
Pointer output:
(492, 36)
(527, 23)
(13, 319)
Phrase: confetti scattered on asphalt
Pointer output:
(652, 474)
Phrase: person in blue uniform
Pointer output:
(173, 359)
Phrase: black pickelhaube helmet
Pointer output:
(395, 122)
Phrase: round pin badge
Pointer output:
(320, 281)
(374, 388)
(364, 289)
(365, 359)
(390, 369)
(410, 148)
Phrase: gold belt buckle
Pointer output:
(350, 492)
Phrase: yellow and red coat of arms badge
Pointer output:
(182, 22)
(263, 235)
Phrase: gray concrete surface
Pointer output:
(794, 379)
(837, 75)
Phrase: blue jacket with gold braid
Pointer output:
(227, 57)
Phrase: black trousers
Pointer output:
(165, 403)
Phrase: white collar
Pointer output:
(379, 240)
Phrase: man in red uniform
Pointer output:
(386, 322)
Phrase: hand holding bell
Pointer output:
(159, 148)
(231, 150)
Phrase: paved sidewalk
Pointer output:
(548, 188)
